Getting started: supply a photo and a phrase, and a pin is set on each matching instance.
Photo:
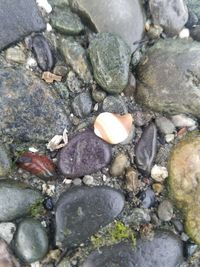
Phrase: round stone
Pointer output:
(82, 104)
(120, 163)
(165, 211)
(5, 161)
(114, 104)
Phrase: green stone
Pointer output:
(5, 161)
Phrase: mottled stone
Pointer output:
(81, 211)
(169, 80)
(5, 161)
(16, 200)
(18, 19)
(165, 210)
(119, 165)
(84, 154)
(132, 181)
(171, 15)
(138, 217)
(165, 249)
(7, 258)
(16, 54)
(195, 33)
(147, 198)
(110, 57)
(82, 104)
(7, 231)
(31, 241)
(114, 104)
(165, 125)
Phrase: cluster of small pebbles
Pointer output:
(99, 150)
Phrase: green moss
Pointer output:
(37, 209)
(113, 235)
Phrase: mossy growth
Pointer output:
(113, 235)
(37, 209)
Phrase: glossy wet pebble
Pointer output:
(165, 249)
(148, 198)
(84, 154)
(81, 211)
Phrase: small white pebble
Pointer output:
(169, 138)
(104, 178)
(49, 27)
(182, 120)
(96, 107)
(159, 173)
(43, 223)
(33, 149)
(31, 62)
(185, 33)
(35, 264)
(45, 5)
(48, 189)
(67, 181)
(88, 180)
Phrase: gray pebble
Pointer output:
(119, 164)
(7, 231)
(82, 104)
(165, 210)
(165, 125)
(88, 180)
(77, 182)
(114, 104)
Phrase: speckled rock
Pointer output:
(169, 80)
(195, 33)
(6, 256)
(165, 125)
(84, 154)
(15, 54)
(31, 241)
(7, 231)
(30, 110)
(123, 18)
(84, 208)
(82, 104)
(138, 217)
(165, 249)
(110, 57)
(24, 199)
(184, 169)
(5, 161)
(119, 164)
(171, 15)
(165, 210)
(114, 104)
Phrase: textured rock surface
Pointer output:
(18, 19)
(169, 80)
(5, 161)
(6, 257)
(81, 211)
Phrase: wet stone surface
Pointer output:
(6, 256)
(85, 208)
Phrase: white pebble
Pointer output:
(104, 178)
(31, 62)
(49, 27)
(169, 138)
(45, 5)
(67, 181)
(33, 149)
(48, 189)
(182, 120)
(88, 180)
(159, 173)
(185, 33)
(35, 264)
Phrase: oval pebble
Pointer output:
(84, 154)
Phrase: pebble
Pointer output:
(114, 104)
(82, 105)
(147, 199)
(192, 20)
(190, 249)
(119, 164)
(15, 54)
(158, 188)
(7, 258)
(165, 125)
(146, 148)
(5, 161)
(85, 153)
(178, 225)
(185, 33)
(195, 33)
(113, 128)
(159, 173)
(138, 217)
(61, 3)
(87, 208)
(110, 58)
(165, 210)
(77, 182)
(132, 182)
(88, 180)
(30, 241)
(45, 5)
(169, 138)
(130, 89)
(98, 95)
(7, 231)
(43, 51)
(48, 203)
(60, 70)
(182, 120)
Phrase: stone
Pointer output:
(192, 19)
(195, 33)
(66, 22)
(110, 58)
(165, 249)
(84, 154)
(30, 110)
(114, 104)
(159, 173)
(132, 181)
(82, 105)
(158, 188)
(5, 161)
(75, 56)
(171, 75)
(119, 165)
(182, 120)
(146, 148)
(165, 125)
(81, 211)
(7, 231)
(16, 199)
(98, 95)
(184, 169)
(19, 18)
(15, 54)
(123, 18)
(194, 6)
(77, 182)
(147, 198)
(138, 217)
(60, 3)
(31, 241)
(7, 258)
(88, 180)
(172, 16)
(165, 210)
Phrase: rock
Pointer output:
(184, 169)
(190, 249)
(192, 20)
(30, 110)
(65, 263)
(85, 208)
(147, 198)
(145, 150)
(138, 217)
(98, 95)
(169, 138)
(88, 180)
(170, 75)
(7, 231)
(66, 22)
(158, 188)
(16, 200)
(125, 19)
(84, 154)
(172, 16)
(119, 164)
(182, 120)
(75, 56)
(194, 6)
(5, 161)
(165, 210)
(18, 19)
(60, 3)
(114, 104)
(15, 54)
(165, 125)
(6, 257)
(159, 173)
(132, 181)
(110, 58)
(77, 182)
(31, 241)
(165, 250)
(195, 33)
(61, 70)
(82, 105)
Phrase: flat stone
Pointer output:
(119, 164)
(169, 80)
(31, 241)
(172, 16)
(81, 211)
(18, 19)
(7, 258)
(123, 18)
(5, 161)
(114, 104)
(165, 210)
(165, 249)
(84, 154)
(16, 200)
(7, 231)
(15, 54)
(110, 58)
(30, 110)
(82, 104)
